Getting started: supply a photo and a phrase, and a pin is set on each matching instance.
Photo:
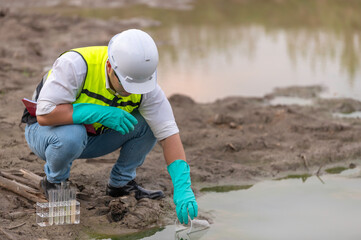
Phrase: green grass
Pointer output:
(335, 170)
(296, 176)
(226, 188)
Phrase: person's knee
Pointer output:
(70, 144)
(75, 141)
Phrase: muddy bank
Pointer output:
(233, 141)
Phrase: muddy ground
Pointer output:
(232, 141)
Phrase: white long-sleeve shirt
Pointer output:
(66, 81)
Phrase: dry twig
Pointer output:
(19, 225)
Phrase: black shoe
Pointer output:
(45, 186)
(132, 186)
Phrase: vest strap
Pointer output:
(114, 102)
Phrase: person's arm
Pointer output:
(157, 111)
(173, 149)
(60, 90)
(86, 113)
(61, 115)
(179, 171)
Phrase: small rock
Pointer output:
(231, 147)
(223, 119)
(3, 12)
(218, 119)
(232, 125)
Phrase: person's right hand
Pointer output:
(183, 196)
(111, 117)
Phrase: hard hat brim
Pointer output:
(138, 86)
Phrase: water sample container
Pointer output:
(62, 208)
(194, 230)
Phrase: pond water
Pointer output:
(230, 47)
(356, 114)
(290, 101)
(288, 209)
(308, 207)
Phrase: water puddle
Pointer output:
(290, 101)
(356, 114)
(294, 207)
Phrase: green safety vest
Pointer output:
(94, 90)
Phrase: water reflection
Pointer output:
(249, 61)
(231, 47)
(288, 209)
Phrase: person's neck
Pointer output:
(111, 85)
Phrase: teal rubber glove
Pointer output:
(111, 117)
(183, 196)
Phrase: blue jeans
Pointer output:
(59, 146)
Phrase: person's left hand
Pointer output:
(183, 196)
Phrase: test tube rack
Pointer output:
(62, 208)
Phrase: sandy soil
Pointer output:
(231, 141)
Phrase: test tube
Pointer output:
(40, 209)
(67, 202)
(73, 204)
(56, 204)
(61, 203)
(51, 206)
(77, 216)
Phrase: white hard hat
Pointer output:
(133, 56)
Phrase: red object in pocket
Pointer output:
(30, 106)
(90, 128)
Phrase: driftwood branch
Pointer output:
(19, 189)
(27, 188)
(21, 180)
(31, 176)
